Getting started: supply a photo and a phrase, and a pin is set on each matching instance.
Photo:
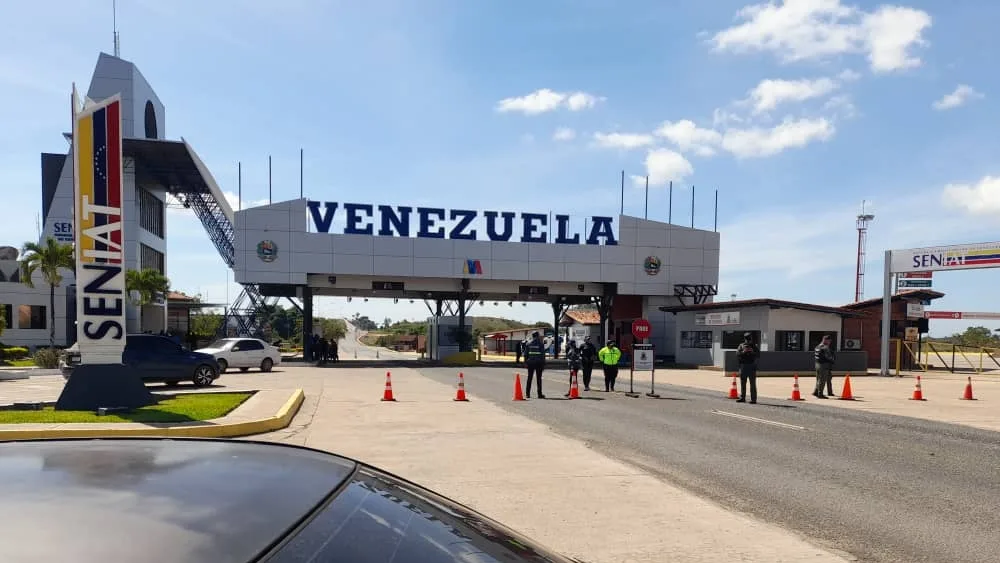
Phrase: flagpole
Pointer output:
(670, 205)
(269, 200)
(646, 212)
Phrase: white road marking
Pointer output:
(760, 420)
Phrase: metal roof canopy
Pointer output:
(164, 163)
(770, 303)
(451, 295)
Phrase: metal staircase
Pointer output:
(219, 226)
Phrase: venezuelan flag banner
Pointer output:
(100, 252)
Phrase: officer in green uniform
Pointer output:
(609, 356)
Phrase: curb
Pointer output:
(281, 419)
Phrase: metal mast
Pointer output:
(862, 226)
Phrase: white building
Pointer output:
(144, 214)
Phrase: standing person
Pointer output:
(519, 350)
(534, 359)
(609, 356)
(746, 355)
(324, 351)
(573, 358)
(825, 358)
(335, 350)
(588, 353)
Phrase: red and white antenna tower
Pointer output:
(862, 225)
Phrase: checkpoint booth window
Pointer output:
(816, 336)
(731, 339)
(696, 339)
(789, 340)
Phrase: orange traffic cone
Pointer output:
(918, 393)
(460, 395)
(518, 393)
(387, 396)
(796, 395)
(733, 392)
(847, 394)
(968, 391)
(574, 389)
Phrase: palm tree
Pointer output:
(48, 258)
(146, 285)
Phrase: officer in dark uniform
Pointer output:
(746, 356)
(588, 353)
(534, 359)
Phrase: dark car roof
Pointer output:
(158, 500)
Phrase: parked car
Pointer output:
(243, 353)
(189, 500)
(158, 358)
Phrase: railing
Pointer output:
(952, 357)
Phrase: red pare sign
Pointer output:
(641, 328)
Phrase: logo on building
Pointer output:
(474, 267)
(652, 265)
(267, 250)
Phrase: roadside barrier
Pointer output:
(733, 392)
(574, 389)
(460, 394)
(918, 393)
(796, 394)
(387, 395)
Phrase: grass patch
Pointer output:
(184, 407)
(372, 338)
(25, 363)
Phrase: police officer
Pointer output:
(609, 356)
(746, 355)
(588, 353)
(534, 359)
(825, 358)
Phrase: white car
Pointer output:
(243, 353)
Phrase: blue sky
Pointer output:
(794, 111)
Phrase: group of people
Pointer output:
(323, 350)
(748, 353)
(580, 358)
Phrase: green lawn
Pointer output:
(184, 407)
(26, 363)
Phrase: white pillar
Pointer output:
(886, 312)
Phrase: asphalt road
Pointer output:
(879, 487)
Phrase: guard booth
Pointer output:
(443, 337)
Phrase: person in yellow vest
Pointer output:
(609, 356)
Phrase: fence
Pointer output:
(952, 357)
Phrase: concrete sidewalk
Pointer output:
(888, 395)
(554, 489)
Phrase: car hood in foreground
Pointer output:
(182, 501)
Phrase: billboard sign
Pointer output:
(100, 268)
(913, 284)
(914, 310)
(917, 275)
(727, 318)
(457, 224)
(944, 258)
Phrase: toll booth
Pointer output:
(443, 337)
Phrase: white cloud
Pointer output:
(623, 140)
(689, 137)
(770, 93)
(546, 100)
(564, 134)
(849, 75)
(758, 142)
(962, 94)
(981, 198)
(841, 106)
(799, 30)
(665, 165)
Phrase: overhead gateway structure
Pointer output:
(929, 259)
(627, 266)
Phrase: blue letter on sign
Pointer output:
(427, 222)
(602, 229)
(466, 217)
(354, 218)
(491, 226)
(562, 233)
(322, 223)
(529, 228)
(390, 219)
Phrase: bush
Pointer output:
(13, 352)
(47, 358)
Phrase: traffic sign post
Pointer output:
(642, 357)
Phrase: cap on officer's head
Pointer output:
(534, 334)
(747, 336)
(611, 342)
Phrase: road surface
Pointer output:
(352, 349)
(883, 488)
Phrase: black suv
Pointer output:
(158, 358)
